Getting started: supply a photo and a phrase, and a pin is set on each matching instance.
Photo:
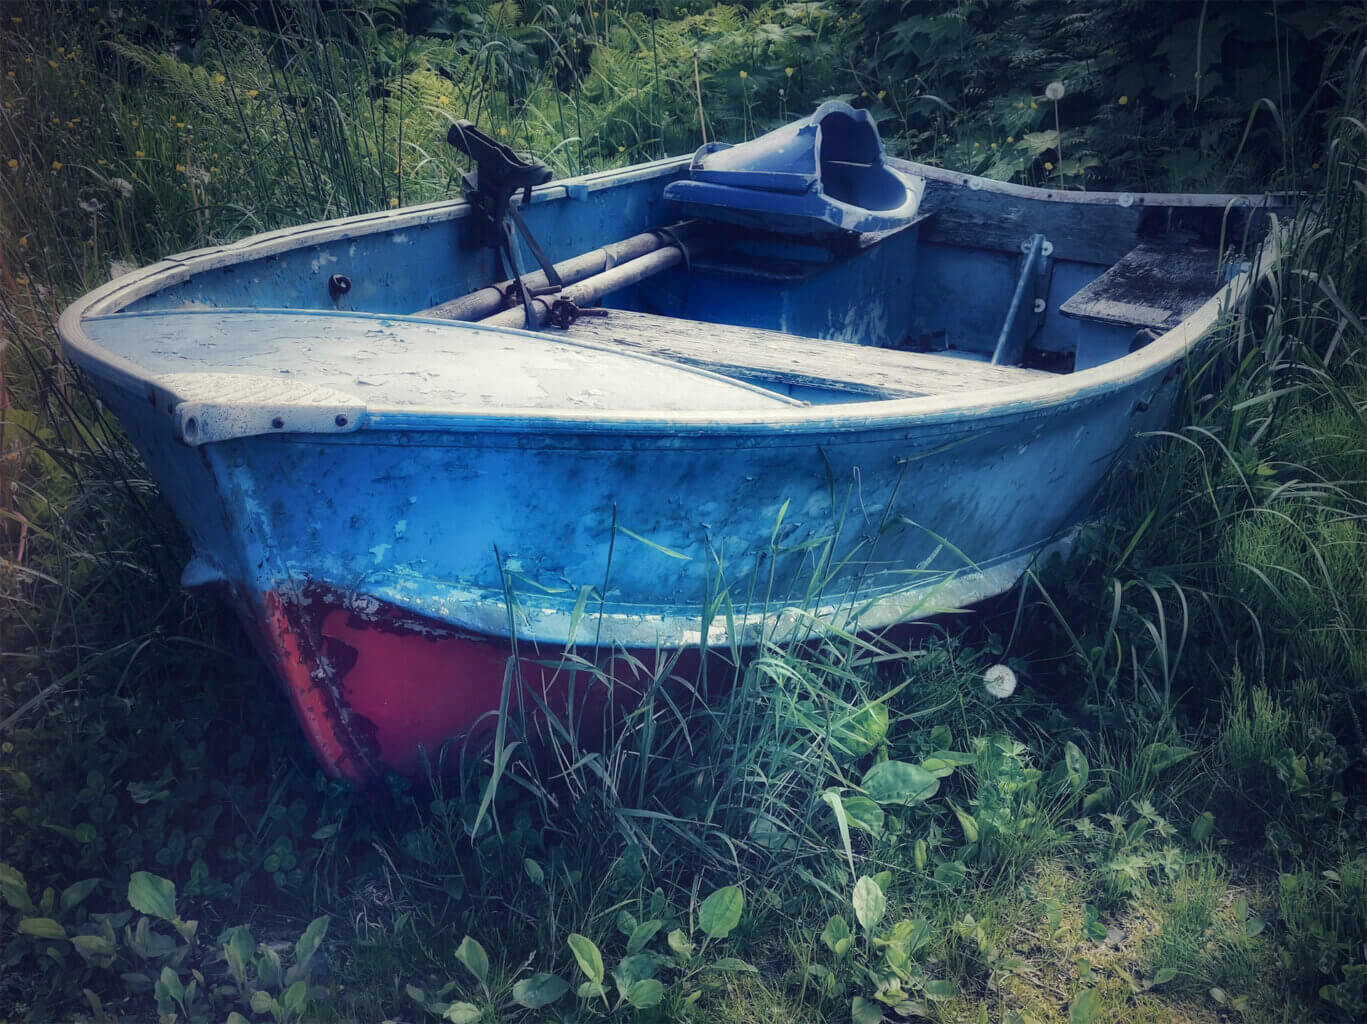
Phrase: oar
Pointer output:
(490, 301)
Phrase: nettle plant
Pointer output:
(644, 977)
(136, 946)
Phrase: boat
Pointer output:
(765, 392)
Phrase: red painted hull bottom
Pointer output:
(375, 686)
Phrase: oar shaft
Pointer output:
(489, 301)
(591, 289)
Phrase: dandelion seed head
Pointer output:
(999, 681)
(1054, 91)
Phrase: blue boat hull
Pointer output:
(385, 560)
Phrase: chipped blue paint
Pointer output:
(415, 454)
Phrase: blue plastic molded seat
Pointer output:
(822, 176)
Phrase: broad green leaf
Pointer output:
(589, 959)
(42, 928)
(539, 990)
(642, 934)
(152, 895)
(1164, 975)
(1164, 755)
(897, 782)
(1203, 826)
(864, 1012)
(236, 1018)
(73, 895)
(679, 943)
(836, 936)
(170, 982)
(869, 903)
(591, 990)
(636, 967)
(463, 1013)
(733, 964)
(861, 812)
(261, 1002)
(1076, 763)
(534, 871)
(14, 889)
(1085, 1007)
(721, 911)
(296, 997)
(968, 823)
(476, 961)
(861, 730)
(645, 993)
(941, 990)
(93, 945)
(311, 939)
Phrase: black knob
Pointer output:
(338, 285)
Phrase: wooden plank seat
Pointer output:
(1157, 285)
(773, 358)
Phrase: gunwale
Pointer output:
(878, 414)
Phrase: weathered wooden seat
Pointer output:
(1157, 285)
(773, 358)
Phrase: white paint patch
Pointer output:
(321, 260)
(400, 528)
(379, 551)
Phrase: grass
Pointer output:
(1164, 822)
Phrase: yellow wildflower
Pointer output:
(9, 74)
(17, 21)
(213, 170)
(180, 124)
(56, 165)
(444, 101)
(252, 94)
(13, 163)
(1124, 100)
(21, 281)
(621, 149)
(393, 203)
(745, 74)
(135, 124)
(180, 168)
(102, 161)
(219, 79)
(502, 130)
(882, 93)
(52, 63)
(994, 145)
(1034, 105)
(23, 241)
(789, 71)
(61, 49)
(139, 154)
(1048, 166)
(1010, 138)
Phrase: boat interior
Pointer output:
(803, 268)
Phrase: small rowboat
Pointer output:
(774, 388)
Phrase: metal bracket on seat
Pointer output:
(1026, 313)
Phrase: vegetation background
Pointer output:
(1165, 821)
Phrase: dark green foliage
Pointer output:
(1182, 96)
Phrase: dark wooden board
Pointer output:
(777, 358)
(1156, 285)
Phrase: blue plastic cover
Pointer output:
(821, 176)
